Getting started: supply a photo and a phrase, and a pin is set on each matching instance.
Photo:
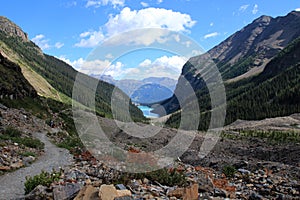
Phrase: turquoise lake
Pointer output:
(147, 112)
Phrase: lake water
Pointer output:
(147, 112)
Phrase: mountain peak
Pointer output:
(263, 19)
(12, 29)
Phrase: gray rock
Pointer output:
(219, 193)
(121, 187)
(66, 192)
(28, 160)
(255, 196)
(244, 171)
(39, 193)
(3, 107)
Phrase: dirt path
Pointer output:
(12, 184)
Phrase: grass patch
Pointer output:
(44, 178)
(32, 105)
(12, 132)
(163, 176)
(15, 136)
(70, 143)
(229, 171)
(271, 136)
(27, 154)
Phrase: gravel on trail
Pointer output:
(12, 184)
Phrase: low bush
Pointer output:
(12, 132)
(44, 178)
(163, 176)
(15, 135)
(229, 171)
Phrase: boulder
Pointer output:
(66, 192)
(87, 193)
(188, 193)
(108, 192)
(39, 192)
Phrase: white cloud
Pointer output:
(59, 45)
(109, 56)
(255, 9)
(100, 67)
(90, 39)
(43, 42)
(95, 67)
(129, 19)
(85, 34)
(243, 7)
(105, 67)
(211, 24)
(196, 52)
(214, 34)
(98, 3)
(144, 4)
(70, 4)
(162, 67)
(177, 38)
(187, 44)
(149, 18)
(145, 63)
(159, 1)
(75, 64)
(297, 9)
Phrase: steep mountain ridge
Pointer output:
(270, 44)
(58, 76)
(254, 45)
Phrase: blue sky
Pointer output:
(72, 29)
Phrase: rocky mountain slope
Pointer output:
(54, 78)
(252, 47)
(13, 85)
(12, 29)
(268, 44)
(151, 93)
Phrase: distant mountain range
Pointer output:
(260, 66)
(27, 71)
(146, 91)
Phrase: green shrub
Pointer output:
(44, 178)
(162, 176)
(29, 142)
(14, 135)
(27, 154)
(70, 143)
(12, 132)
(229, 171)
(166, 177)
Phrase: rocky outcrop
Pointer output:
(243, 54)
(12, 29)
(261, 40)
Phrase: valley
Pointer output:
(152, 138)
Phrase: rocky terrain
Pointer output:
(238, 167)
(12, 29)
(21, 160)
(250, 160)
